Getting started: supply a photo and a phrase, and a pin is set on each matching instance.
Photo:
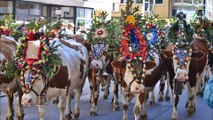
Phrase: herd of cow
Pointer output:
(78, 63)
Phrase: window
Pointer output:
(158, 1)
(34, 9)
(139, 1)
(44, 11)
(6, 7)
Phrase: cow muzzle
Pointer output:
(26, 101)
(181, 76)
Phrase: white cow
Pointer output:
(71, 76)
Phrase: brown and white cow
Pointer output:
(190, 71)
(71, 76)
(100, 73)
(9, 85)
(137, 87)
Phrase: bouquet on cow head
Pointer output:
(35, 54)
(180, 33)
(203, 29)
(104, 36)
(133, 44)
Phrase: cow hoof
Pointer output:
(20, 117)
(151, 103)
(144, 117)
(200, 93)
(76, 116)
(191, 110)
(93, 113)
(116, 107)
(160, 99)
(125, 119)
(55, 101)
(105, 97)
(68, 117)
(174, 119)
(9, 118)
(167, 98)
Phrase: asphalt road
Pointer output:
(160, 111)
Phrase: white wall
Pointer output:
(106, 5)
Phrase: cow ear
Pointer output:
(197, 55)
(150, 65)
(166, 53)
(119, 64)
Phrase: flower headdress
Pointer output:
(104, 34)
(203, 28)
(35, 53)
(133, 45)
(180, 33)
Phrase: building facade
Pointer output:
(71, 11)
(209, 9)
(167, 8)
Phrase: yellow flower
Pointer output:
(130, 19)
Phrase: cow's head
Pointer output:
(34, 86)
(181, 59)
(100, 58)
(134, 74)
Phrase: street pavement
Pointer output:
(160, 111)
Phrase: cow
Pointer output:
(9, 85)
(100, 73)
(190, 71)
(70, 76)
(137, 87)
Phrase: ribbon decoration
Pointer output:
(136, 47)
(98, 49)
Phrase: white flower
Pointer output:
(100, 33)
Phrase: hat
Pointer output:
(72, 24)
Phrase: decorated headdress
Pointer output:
(104, 34)
(35, 53)
(133, 45)
(180, 33)
(203, 28)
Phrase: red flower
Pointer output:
(100, 32)
(149, 25)
(30, 36)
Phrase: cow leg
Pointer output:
(167, 97)
(143, 99)
(152, 98)
(68, 114)
(126, 98)
(41, 110)
(95, 95)
(161, 87)
(175, 103)
(125, 103)
(61, 106)
(115, 97)
(10, 112)
(91, 92)
(191, 100)
(106, 92)
(76, 112)
(19, 109)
